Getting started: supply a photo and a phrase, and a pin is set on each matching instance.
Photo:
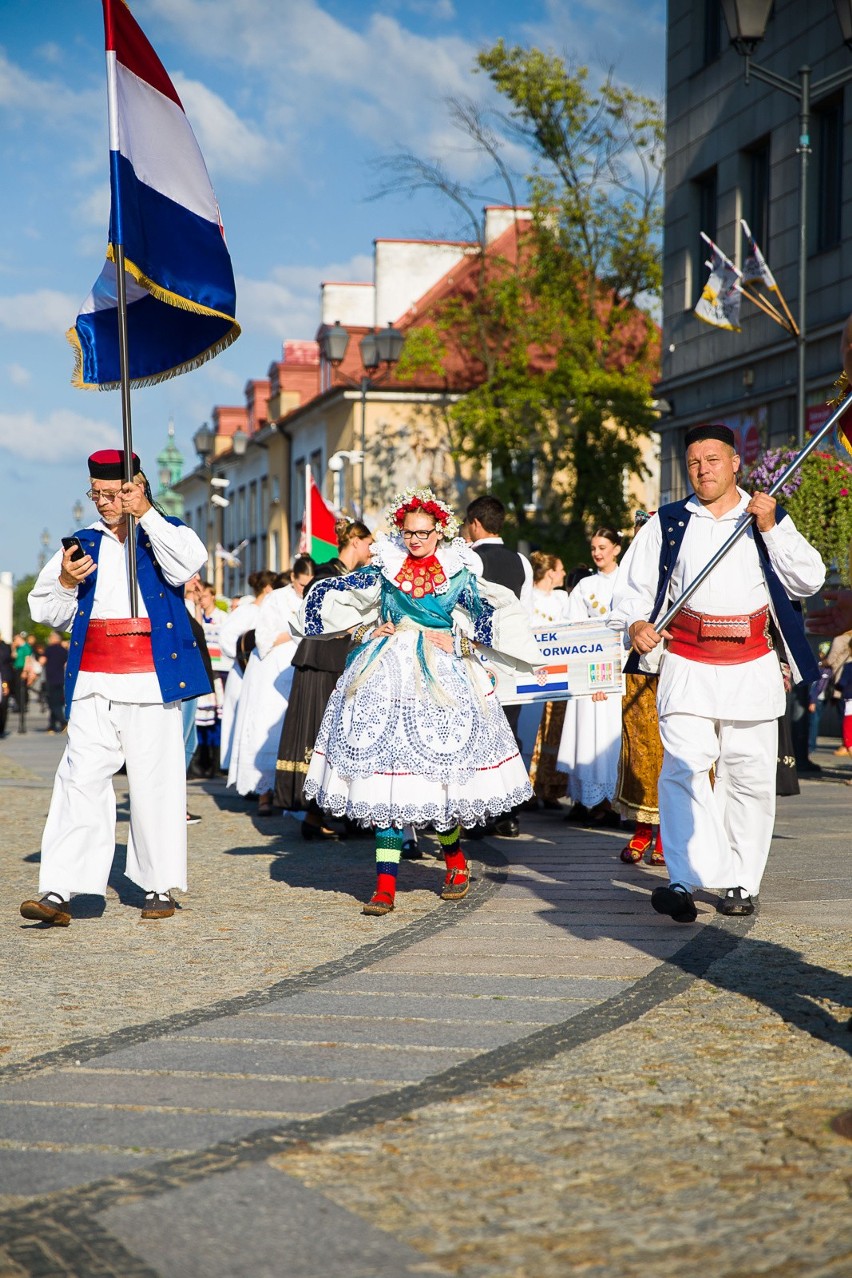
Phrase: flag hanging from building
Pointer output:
(719, 303)
(181, 298)
(754, 266)
(319, 526)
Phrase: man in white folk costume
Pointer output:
(125, 680)
(721, 689)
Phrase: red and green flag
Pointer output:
(319, 526)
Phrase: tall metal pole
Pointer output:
(127, 435)
(804, 150)
(365, 386)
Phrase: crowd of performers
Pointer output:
(360, 694)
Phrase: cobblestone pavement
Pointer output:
(544, 1079)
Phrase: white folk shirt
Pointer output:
(753, 690)
(527, 587)
(180, 554)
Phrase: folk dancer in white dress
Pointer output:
(721, 689)
(413, 732)
(124, 682)
(239, 621)
(266, 693)
(591, 736)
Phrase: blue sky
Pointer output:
(291, 101)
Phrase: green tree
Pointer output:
(554, 337)
(21, 619)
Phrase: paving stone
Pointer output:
(206, 1058)
(257, 1221)
(26, 1173)
(469, 985)
(381, 1030)
(166, 1091)
(441, 1008)
(101, 1125)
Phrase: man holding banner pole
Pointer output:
(721, 689)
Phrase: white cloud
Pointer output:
(387, 83)
(230, 146)
(43, 311)
(25, 95)
(18, 375)
(93, 209)
(60, 436)
(286, 302)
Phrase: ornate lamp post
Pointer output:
(383, 347)
(747, 21)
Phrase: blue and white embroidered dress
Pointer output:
(412, 734)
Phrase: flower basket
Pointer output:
(818, 498)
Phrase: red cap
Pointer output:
(108, 463)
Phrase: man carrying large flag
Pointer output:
(163, 304)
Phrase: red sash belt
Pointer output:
(122, 646)
(720, 641)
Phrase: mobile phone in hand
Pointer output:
(79, 552)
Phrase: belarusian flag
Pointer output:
(319, 527)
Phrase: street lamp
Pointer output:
(336, 464)
(45, 543)
(746, 21)
(77, 512)
(383, 347)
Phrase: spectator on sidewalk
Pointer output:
(55, 658)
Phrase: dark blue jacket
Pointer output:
(788, 613)
(177, 661)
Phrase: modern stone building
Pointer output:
(732, 153)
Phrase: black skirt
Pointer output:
(309, 696)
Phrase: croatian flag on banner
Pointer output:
(181, 298)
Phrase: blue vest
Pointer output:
(788, 613)
(177, 661)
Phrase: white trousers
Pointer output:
(720, 837)
(78, 843)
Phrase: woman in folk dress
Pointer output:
(591, 736)
(266, 691)
(413, 732)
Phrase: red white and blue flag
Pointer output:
(181, 298)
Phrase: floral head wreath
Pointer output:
(424, 499)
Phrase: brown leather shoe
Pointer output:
(158, 905)
(50, 909)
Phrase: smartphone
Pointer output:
(79, 552)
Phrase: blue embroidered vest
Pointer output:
(177, 661)
(788, 613)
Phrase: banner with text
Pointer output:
(578, 658)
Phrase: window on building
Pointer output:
(264, 501)
(317, 468)
(827, 142)
(756, 194)
(713, 32)
(704, 190)
(253, 513)
(298, 504)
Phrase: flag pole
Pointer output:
(308, 505)
(121, 299)
(127, 434)
(782, 299)
(668, 617)
(766, 306)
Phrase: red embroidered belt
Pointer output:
(121, 646)
(720, 641)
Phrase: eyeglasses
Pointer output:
(97, 495)
(418, 534)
